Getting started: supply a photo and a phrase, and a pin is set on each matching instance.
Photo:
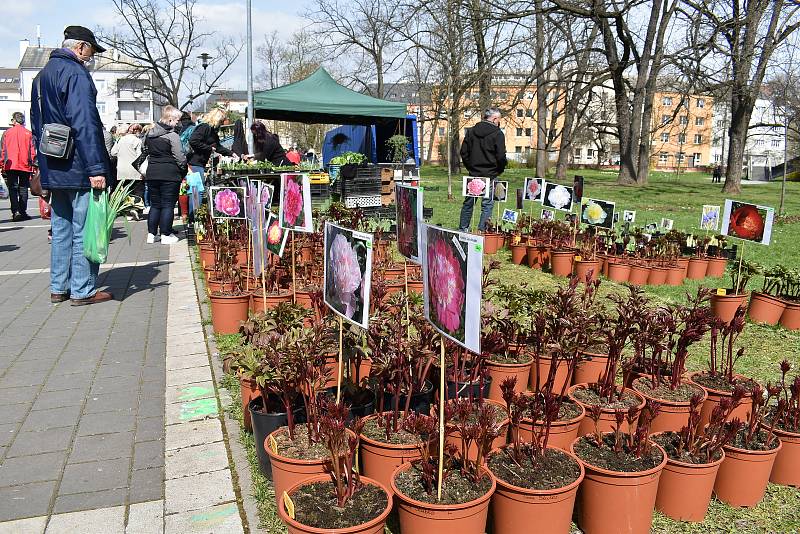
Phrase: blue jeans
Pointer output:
(465, 222)
(70, 271)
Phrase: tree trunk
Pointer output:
(541, 95)
(740, 120)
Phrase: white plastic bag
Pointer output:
(3, 188)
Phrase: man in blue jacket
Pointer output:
(64, 93)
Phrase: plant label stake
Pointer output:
(339, 367)
(408, 316)
(739, 275)
(442, 396)
(263, 256)
(294, 282)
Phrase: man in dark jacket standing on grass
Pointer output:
(483, 152)
(64, 93)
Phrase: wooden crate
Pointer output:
(387, 199)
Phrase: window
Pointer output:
(699, 121)
(698, 139)
(590, 153)
(720, 123)
(528, 132)
(666, 101)
(681, 138)
(684, 119)
(664, 119)
(680, 156)
(520, 112)
(519, 132)
(697, 157)
(529, 112)
(578, 153)
(3, 97)
(518, 149)
(102, 86)
(776, 143)
(717, 158)
(665, 137)
(759, 142)
(700, 103)
(441, 131)
(101, 108)
(662, 157)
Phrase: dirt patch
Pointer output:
(624, 461)
(556, 469)
(315, 506)
(456, 489)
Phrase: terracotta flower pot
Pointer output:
(374, 526)
(684, 490)
(697, 268)
(249, 391)
(714, 395)
(303, 298)
(618, 271)
(674, 276)
(207, 257)
(228, 312)
(500, 371)
(604, 260)
(583, 267)
(183, 204)
(672, 416)
(241, 257)
(519, 253)
(725, 306)
(561, 262)
(418, 517)
(415, 286)
(743, 476)
(764, 308)
(533, 256)
(213, 284)
(379, 460)
(394, 273)
(273, 299)
(683, 263)
(606, 422)
(614, 502)
(786, 470)
(716, 267)
(639, 275)
(589, 368)
(562, 374)
(562, 433)
(790, 318)
(288, 472)
(516, 509)
(657, 276)
(454, 438)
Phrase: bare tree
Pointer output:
(163, 38)
(270, 53)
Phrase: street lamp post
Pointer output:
(250, 114)
(204, 57)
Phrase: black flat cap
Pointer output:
(83, 34)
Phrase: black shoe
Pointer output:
(16, 217)
(25, 217)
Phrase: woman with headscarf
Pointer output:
(267, 146)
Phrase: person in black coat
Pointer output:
(166, 168)
(267, 146)
(205, 140)
(483, 152)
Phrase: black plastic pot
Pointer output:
(361, 405)
(463, 389)
(265, 424)
(420, 402)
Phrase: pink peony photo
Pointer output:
(345, 273)
(447, 284)
(476, 187)
(227, 202)
(292, 203)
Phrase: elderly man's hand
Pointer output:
(98, 182)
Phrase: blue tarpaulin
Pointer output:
(368, 140)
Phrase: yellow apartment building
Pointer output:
(681, 136)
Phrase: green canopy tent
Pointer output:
(318, 99)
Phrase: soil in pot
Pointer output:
(380, 455)
(717, 387)
(586, 396)
(619, 490)
(744, 473)
(535, 497)
(687, 481)
(674, 403)
(563, 431)
(500, 367)
(316, 507)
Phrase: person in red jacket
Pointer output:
(18, 158)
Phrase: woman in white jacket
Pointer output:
(126, 150)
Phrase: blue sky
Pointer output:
(18, 20)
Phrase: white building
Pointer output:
(764, 147)
(122, 94)
(10, 97)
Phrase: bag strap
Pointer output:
(39, 97)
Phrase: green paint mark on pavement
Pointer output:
(210, 519)
(194, 392)
(198, 408)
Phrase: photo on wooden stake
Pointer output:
(748, 221)
(452, 271)
(557, 196)
(347, 271)
(548, 215)
(629, 216)
(276, 237)
(294, 212)
(709, 218)
(500, 188)
(409, 216)
(510, 216)
(534, 189)
(474, 186)
(228, 202)
(599, 213)
(666, 224)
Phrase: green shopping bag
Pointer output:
(97, 231)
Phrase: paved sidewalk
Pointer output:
(85, 396)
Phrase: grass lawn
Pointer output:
(675, 197)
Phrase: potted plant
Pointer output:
(519, 249)
(693, 458)
(790, 318)
(743, 475)
(466, 484)
(619, 491)
(341, 501)
(698, 264)
(720, 380)
(562, 253)
(586, 265)
(230, 303)
(784, 418)
(469, 411)
(766, 306)
(717, 257)
(536, 482)
(726, 301)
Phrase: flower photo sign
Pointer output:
(477, 187)
(548, 215)
(228, 202)
(510, 216)
(347, 273)
(629, 216)
(451, 273)
(709, 218)
(294, 212)
(557, 196)
(275, 237)
(533, 189)
(748, 221)
(599, 213)
(666, 224)
(409, 216)
(500, 193)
